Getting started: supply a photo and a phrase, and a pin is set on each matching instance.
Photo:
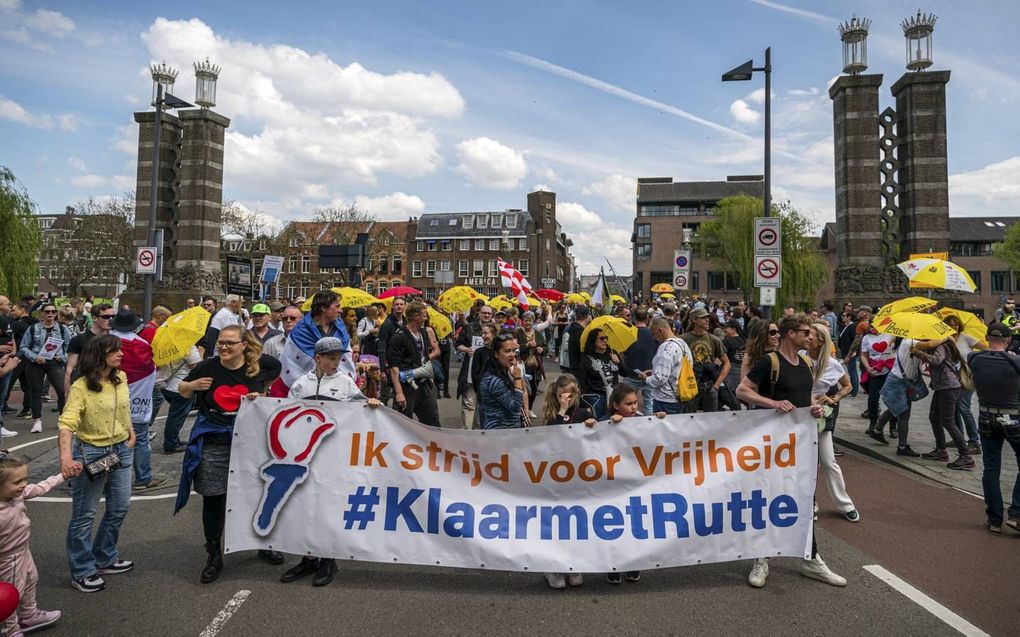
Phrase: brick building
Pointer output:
(467, 244)
(664, 209)
(83, 255)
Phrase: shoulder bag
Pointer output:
(111, 461)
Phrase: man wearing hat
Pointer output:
(711, 365)
(259, 324)
(276, 315)
(997, 383)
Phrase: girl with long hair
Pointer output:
(762, 338)
(945, 364)
(600, 372)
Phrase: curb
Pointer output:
(872, 452)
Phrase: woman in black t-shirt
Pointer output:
(220, 384)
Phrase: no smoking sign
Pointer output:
(768, 272)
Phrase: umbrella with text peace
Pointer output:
(923, 327)
(175, 337)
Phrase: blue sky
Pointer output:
(411, 107)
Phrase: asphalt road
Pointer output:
(928, 534)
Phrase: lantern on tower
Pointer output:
(162, 75)
(854, 34)
(206, 74)
(917, 31)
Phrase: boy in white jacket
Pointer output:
(324, 382)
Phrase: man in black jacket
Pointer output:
(408, 349)
(582, 315)
(470, 339)
(393, 322)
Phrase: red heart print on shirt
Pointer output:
(228, 397)
(880, 346)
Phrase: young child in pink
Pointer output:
(16, 563)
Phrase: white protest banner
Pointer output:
(348, 481)
(50, 348)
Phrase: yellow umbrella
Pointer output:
(662, 287)
(910, 304)
(349, 297)
(175, 337)
(616, 298)
(500, 302)
(587, 297)
(936, 273)
(667, 295)
(972, 324)
(620, 332)
(913, 325)
(574, 297)
(439, 323)
(460, 298)
(534, 302)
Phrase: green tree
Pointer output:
(19, 270)
(1009, 248)
(729, 239)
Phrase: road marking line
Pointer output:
(27, 444)
(216, 625)
(164, 496)
(925, 602)
(973, 495)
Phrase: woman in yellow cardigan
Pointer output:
(97, 422)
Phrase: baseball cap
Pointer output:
(864, 308)
(582, 311)
(329, 345)
(260, 308)
(276, 306)
(698, 312)
(1000, 330)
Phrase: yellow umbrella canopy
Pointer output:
(349, 297)
(587, 297)
(620, 332)
(175, 337)
(913, 325)
(668, 295)
(616, 298)
(575, 298)
(909, 304)
(500, 302)
(936, 273)
(460, 298)
(972, 324)
(662, 287)
(439, 323)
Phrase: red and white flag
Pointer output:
(514, 280)
(140, 369)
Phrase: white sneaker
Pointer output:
(817, 569)
(37, 426)
(7, 433)
(575, 579)
(759, 572)
(556, 580)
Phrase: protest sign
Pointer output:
(348, 481)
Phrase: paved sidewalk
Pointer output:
(850, 434)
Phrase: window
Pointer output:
(482, 222)
(370, 288)
(494, 245)
(522, 244)
(446, 245)
(511, 221)
(453, 221)
(419, 246)
(396, 264)
(444, 265)
(497, 221)
(395, 283)
(493, 268)
(643, 251)
(465, 244)
(383, 286)
(1016, 281)
(431, 245)
(732, 281)
(716, 280)
(416, 268)
(468, 222)
(522, 267)
(479, 244)
(430, 268)
(670, 210)
(462, 267)
(644, 231)
(292, 261)
(434, 222)
(479, 268)
(291, 292)
(695, 280)
(547, 244)
(384, 261)
(976, 275)
(1000, 281)
(371, 265)
(306, 263)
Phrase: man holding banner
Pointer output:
(782, 381)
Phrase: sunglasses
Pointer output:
(290, 318)
(773, 332)
(49, 311)
(603, 338)
(227, 343)
(106, 317)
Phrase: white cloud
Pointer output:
(50, 22)
(990, 189)
(68, 122)
(541, 188)
(9, 109)
(123, 182)
(394, 207)
(743, 113)
(489, 164)
(302, 122)
(126, 139)
(78, 163)
(10, 5)
(592, 248)
(618, 191)
(575, 217)
(89, 181)
(800, 92)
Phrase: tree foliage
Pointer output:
(95, 246)
(729, 238)
(345, 222)
(1009, 248)
(19, 271)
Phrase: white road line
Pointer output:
(925, 602)
(164, 496)
(36, 441)
(216, 625)
(973, 495)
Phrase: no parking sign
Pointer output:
(145, 261)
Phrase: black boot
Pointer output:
(306, 566)
(272, 557)
(326, 571)
(214, 563)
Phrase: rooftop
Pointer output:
(665, 190)
(446, 225)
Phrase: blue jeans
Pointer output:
(854, 371)
(86, 554)
(597, 404)
(178, 412)
(143, 453)
(965, 416)
(669, 408)
(992, 439)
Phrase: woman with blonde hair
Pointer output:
(241, 371)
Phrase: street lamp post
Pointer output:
(743, 73)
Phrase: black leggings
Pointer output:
(214, 517)
(37, 373)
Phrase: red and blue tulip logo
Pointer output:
(295, 434)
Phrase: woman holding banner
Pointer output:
(219, 384)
